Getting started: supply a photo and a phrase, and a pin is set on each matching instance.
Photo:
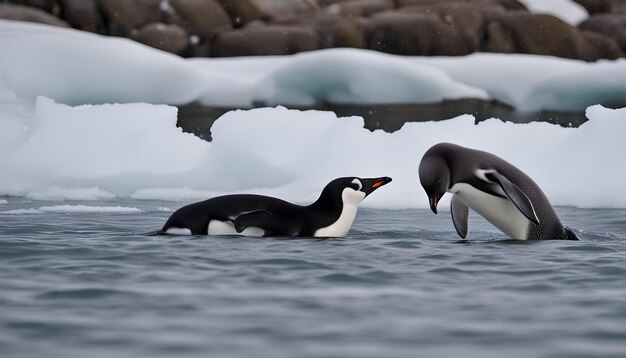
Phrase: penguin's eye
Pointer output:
(439, 182)
(356, 184)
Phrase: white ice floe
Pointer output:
(292, 154)
(75, 67)
(3, 202)
(78, 67)
(55, 193)
(566, 10)
(73, 209)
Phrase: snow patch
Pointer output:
(566, 10)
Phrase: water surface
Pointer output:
(402, 284)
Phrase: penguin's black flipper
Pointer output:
(256, 218)
(515, 194)
(460, 213)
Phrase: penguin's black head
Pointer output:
(353, 189)
(434, 175)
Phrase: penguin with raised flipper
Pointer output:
(497, 190)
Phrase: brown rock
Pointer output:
(506, 4)
(83, 14)
(548, 35)
(205, 17)
(131, 14)
(268, 40)
(170, 38)
(244, 11)
(335, 30)
(603, 6)
(25, 13)
(498, 39)
(415, 34)
(51, 6)
(612, 26)
(360, 8)
(604, 46)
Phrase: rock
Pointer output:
(415, 34)
(244, 11)
(612, 26)
(359, 8)
(83, 14)
(25, 13)
(334, 30)
(548, 35)
(268, 40)
(51, 6)
(170, 38)
(131, 14)
(498, 39)
(604, 6)
(506, 4)
(605, 47)
(205, 17)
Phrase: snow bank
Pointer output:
(75, 67)
(98, 151)
(356, 76)
(566, 10)
(73, 209)
(534, 83)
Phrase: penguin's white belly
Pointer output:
(340, 227)
(217, 227)
(499, 211)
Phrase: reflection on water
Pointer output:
(401, 284)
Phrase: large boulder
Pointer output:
(83, 14)
(170, 38)
(415, 34)
(125, 15)
(31, 14)
(612, 26)
(603, 6)
(244, 11)
(51, 6)
(507, 4)
(265, 40)
(335, 30)
(204, 17)
(548, 35)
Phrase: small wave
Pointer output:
(2, 202)
(73, 209)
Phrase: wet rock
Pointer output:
(170, 38)
(51, 6)
(83, 14)
(603, 6)
(548, 35)
(498, 39)
(204, 17)
(506, 4)
(415, 34)
(244, 11)
(359, 8)
(612, 26)
(31, 14)
(268, 40)
(126, 15)
(334, 30)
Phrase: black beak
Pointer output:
(434, 200)
(371, 184)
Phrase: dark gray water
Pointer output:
(401, 285)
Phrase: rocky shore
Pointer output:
(218, 28)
